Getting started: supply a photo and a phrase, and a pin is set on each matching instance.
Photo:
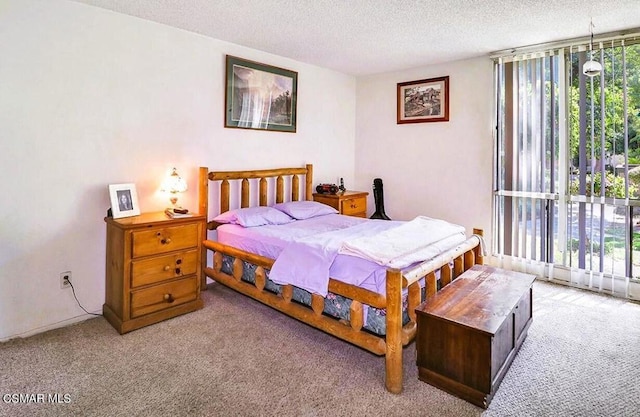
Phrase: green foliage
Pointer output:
(634, 177)
(613, 186)
(614, 106)
(609, 246)
(574, 245)
(636, 241)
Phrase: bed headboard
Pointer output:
(263, 193)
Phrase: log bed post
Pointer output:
(203, 191)
(295, 188)
(393, 359)
(203, 208)
(263, 191)
(309, 183)
(279, 189)
(478, 250)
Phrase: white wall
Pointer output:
(90, 98)
(441, 170)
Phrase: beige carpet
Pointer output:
(237, 357)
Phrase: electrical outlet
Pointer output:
(65, 277)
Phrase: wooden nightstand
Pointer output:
(153, 269)
(350, 203)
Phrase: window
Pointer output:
(567, 179)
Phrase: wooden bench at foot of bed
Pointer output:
(462, 257)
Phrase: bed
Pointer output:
(376, 312)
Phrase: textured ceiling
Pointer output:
(363, 37)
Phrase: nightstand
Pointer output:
(350, 203)
(153, 269)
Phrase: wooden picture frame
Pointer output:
(260, 96)
(423, 101)
(124, 200)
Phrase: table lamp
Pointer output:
(174, 184)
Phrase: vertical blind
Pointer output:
(565, 187)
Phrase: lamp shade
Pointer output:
(174, 183)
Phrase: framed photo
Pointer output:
(259, 96)
(124, 200)
(423, 101)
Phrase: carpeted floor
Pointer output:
(237, 357)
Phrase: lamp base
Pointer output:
(174, 212)
(178, 210)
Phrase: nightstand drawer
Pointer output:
(152, 242)
(163, 296)
(157, 269)
(355, 206)
(329, 200)
(349, 203)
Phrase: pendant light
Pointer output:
(591, 68)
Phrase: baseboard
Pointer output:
(619, 286)
(63, 323)
(634, 290)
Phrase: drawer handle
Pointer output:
(167, 267)
(177, 271)
(166, 241)
(178, 261)
(354, 206)
(169, 298)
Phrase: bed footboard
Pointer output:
(450, 264)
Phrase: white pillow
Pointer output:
(253, 216)
(301, 210)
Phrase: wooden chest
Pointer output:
(153, 269)
(469, 333)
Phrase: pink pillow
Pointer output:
(253, 216)
(301, 210)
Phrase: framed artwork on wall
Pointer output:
(423, 101)
(260, 96)
(124, 200)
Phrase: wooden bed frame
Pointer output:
(397, 336)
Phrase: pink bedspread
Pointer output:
(307, 251)
(270, 241)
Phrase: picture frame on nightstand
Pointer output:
(124, 200)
